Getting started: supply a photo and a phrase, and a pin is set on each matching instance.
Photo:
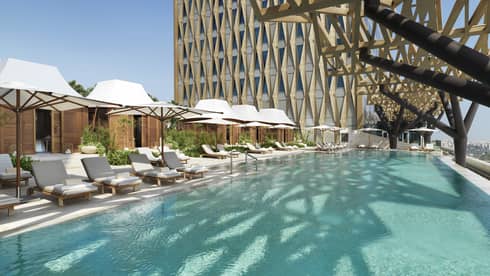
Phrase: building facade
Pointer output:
(222, 51)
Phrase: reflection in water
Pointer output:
(359, 213)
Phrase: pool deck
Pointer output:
(43, 211)
(479, 181)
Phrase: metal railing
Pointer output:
(247, 154)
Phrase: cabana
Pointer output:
(249, 117)
(130, 131)
(27, 86)
(221, 110)
(276, 116)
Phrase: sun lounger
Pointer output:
(174, 163)
(8, 202)
(142, 167)
(208, 152)
(100, 172)
(182, 157)
(414, 148)
(149, 155)
(429, 147)
(290, 147)
(281, 147)
(251, 148)
(221, 148)
(53, 180)
(8, 173)
(361, 146)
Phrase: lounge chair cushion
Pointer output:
(66, 190)
(119, 182)
(7, 200)
(161, 174)
(12, 176)
(195, 169)
(98, 168)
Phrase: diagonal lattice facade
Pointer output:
(223, 51)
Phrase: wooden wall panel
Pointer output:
(56, 131)
(7, 132)
(123, 134)
(73, 123)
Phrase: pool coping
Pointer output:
(477, 180)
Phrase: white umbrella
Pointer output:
(28, 86)
(322, 127)
(215, 121)
(256, 124)
(162, 111)
(423, 130)
(282, 126)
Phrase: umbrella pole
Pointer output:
(18, 144)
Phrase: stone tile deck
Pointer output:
(43, 211)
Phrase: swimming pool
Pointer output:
(381, 213)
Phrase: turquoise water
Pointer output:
(362, 213)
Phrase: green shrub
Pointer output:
(119, 157)
(25, 162)
(244, 138)
(99, 137)
(188, 141)
(269, 142)
(236, 148)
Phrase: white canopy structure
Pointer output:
(121, 92)
(322, 127)
(215, 121)
(255, 124)
(28, 86)
(423, 129)
(244, 113)
(221, 109)
(274, 116)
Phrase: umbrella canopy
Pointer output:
(161, 111)
(423, 129)
(214, 121)
(322, 127)
(256, 124)
(367, 129)
(120, 92)
(282, 126)
(28, 86)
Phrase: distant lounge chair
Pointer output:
(281, 147)
(208, 152)
(251, 148)
(429, 147)
(100, 172)
(174, 163)
(142, 167)
(182, 157)
(375, 146)
(414, 148)
(294, 147)
(361, 146)
(8, 173)
(53, 180)
(8, 202)
(149, 155)
(221, 148)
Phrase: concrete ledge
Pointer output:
(477, 180)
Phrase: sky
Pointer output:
(96, 40)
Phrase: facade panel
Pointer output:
(222, 51)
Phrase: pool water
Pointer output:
(361, 213)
